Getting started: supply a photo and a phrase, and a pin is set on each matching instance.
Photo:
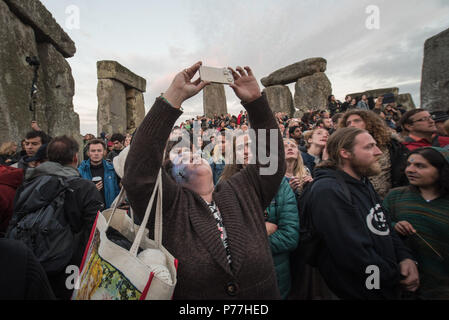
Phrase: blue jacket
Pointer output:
(217, 169)
(110, 185)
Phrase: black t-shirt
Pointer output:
(98, 171)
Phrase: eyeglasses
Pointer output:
(424, 119)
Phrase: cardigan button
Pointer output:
(232, 289)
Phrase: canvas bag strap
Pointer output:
(121, 195)
(158, 222)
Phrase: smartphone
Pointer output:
(216, 75)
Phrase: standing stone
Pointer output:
(59, 87)
(126, 89)
(280, 99)
(406, 100)
(295, 71)
(17, 42)
(435, 73)
(135, 109)
(214, 100)
(111, 115)
(312, 92)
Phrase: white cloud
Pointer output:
(156, 39)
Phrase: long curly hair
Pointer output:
(375, 125)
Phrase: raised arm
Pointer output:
(267, 174)
(146, 152)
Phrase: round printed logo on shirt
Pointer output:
(376, 222)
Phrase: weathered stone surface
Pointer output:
(114, 70)
(58, 86)
(135, 109)
(214, 100)
(111, 114)
(280, 99)
(55, 85)
(292, 73)
(298, 114)
(435, 73)
(33, 13)
(376, 92)
(17, 42)
(406, 100)
(312, 92)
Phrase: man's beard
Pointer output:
(362, 170)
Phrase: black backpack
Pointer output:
(40, 223)
(310, 243)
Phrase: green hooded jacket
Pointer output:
(283, 212)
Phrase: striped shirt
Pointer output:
(431, 221)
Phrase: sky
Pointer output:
(367, 44)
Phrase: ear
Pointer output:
(407, 127)
(344, 154)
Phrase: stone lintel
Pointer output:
(34, 13)
(108, 69)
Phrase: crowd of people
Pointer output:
(357, 207)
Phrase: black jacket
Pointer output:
(356, 234)
(398, 158)
(21, 275)
(81, 206)
(308, 160)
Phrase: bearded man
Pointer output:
(360, 256)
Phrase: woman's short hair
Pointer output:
(62, 150)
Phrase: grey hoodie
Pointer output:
(53, 169)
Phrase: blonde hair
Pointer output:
(7, 148)
(299, 170)
(309, 134)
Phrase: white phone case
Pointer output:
(217, 75)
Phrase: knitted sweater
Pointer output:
(190, 231)
(431, 221)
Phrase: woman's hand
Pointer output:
(182, 88)
(306, 179)
(295, 183)
(404, 228)
(245, 85)
(271, 228)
